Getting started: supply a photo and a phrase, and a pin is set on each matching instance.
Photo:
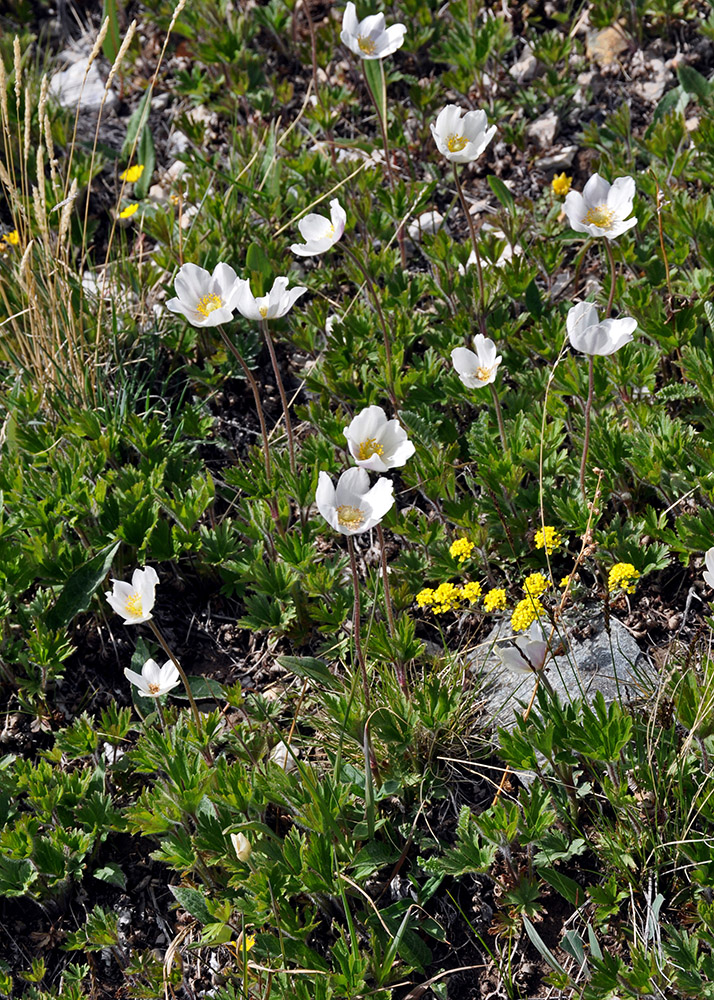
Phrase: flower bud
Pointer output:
(241, 845)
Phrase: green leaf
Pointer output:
(112, 39)
(501, 192)
(112, 874)
(193, 902)
(567, 887)
(542, 946)
(137, 122)
(692, 81)
(80, 587)
(202, 688)
(312, 668)
(16, 876)
(146, 156)
(374, 75)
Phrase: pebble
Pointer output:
(66, 87)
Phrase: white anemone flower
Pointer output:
(319, 232)
(479, 369)
(241, 845)
(602, 208)
(590, 336)
(461, 140)
(353, 507)
(370, 38)
(709, 560)
(153, 681)
(134, 601)
(377, 443)
(205, 299)
(275, 304)
(528, 653)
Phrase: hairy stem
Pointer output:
(588, 412)
(477, 255)
(256, 397)
(283, 397)
(356, 621)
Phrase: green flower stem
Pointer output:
(588, 411)
(256, 397)
(182, 675)
(499, 416)
(283, 397)
(398, 666)
(356, 621)
(474, 241)
(613, 278)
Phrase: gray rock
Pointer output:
(557, 161)
(66, 87)
(526, 67)
(543, 130)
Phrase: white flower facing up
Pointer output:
(528, 653)
(205, 299)
(477, 369)
(275, 304)
(461, 140)
(153, 681)
(370, 38)
(241, 845)
(590, 336)
(134, 601)
(353, 507)
(377, 443)
(319, 232)
(602, 208)
(709, 560)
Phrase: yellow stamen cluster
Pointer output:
(263, 310)
(525, 613)
(495, 598)
(484, 374)
(368, 448)
(601, 216)
(134, 605)
(366, 44)
(350, 516)
(132, 174)
(455, 143)
(448, 596)
(623, 576)
(548, 538)
(461, 549)
(535, 585)
(561, 184)
(126, 213)
(208, 304)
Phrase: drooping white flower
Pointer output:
(377, 443)
(134, 601)
(461, 140)
(319, 232)
(369, 38)
(589, 335)
(153, 681)
(479, 369)
(275, 304)
(205, 299)
(353, 507)
(241, 845)
(602, 209)
(709, 560)
(528, 653)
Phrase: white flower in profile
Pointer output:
(275, 304)
(319, 232)
(353, 507)
(369, 38)
(284, 756)
(709, 560)
(479, 369)
(602, 208)
(241, 845)
(589, 335)
(205, 299)
(461, 140)
(153, 681)
(377, 443)
(528, 653)
(134, 601)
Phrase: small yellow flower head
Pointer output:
(446, 597)
(548, 538)
(425, 597)
(132, 174)
(471, 592)
(495, 598)
(622, 576)
(564, 582)
(461, 549)
(525, 613)
(561, 184)
(535, 584)
(12, 238)
(126, 213)
(3, 246)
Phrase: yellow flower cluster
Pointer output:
(447, 596)
(565, 581)
(471, 592)
(12, 238)
(461, 549)
(525, 613)
(535, 585)
(561, 184)
(622, 575)
(548, 538)
(132, 174)
(494, 599)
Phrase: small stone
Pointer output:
(557, 161)
(604, 46)
(543, 130)
(427, 223)
(526, 67)
(66, 87)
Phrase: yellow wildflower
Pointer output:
(548, 538)
(535, 584)
(425, 597)
(132, 174)
(561, 184)
(126, 213)
(471, 592)
(446, 597)
(622, 575)
(525, 613)
(461, 549)
(3, 246)
(495, 598)
(565, 581)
